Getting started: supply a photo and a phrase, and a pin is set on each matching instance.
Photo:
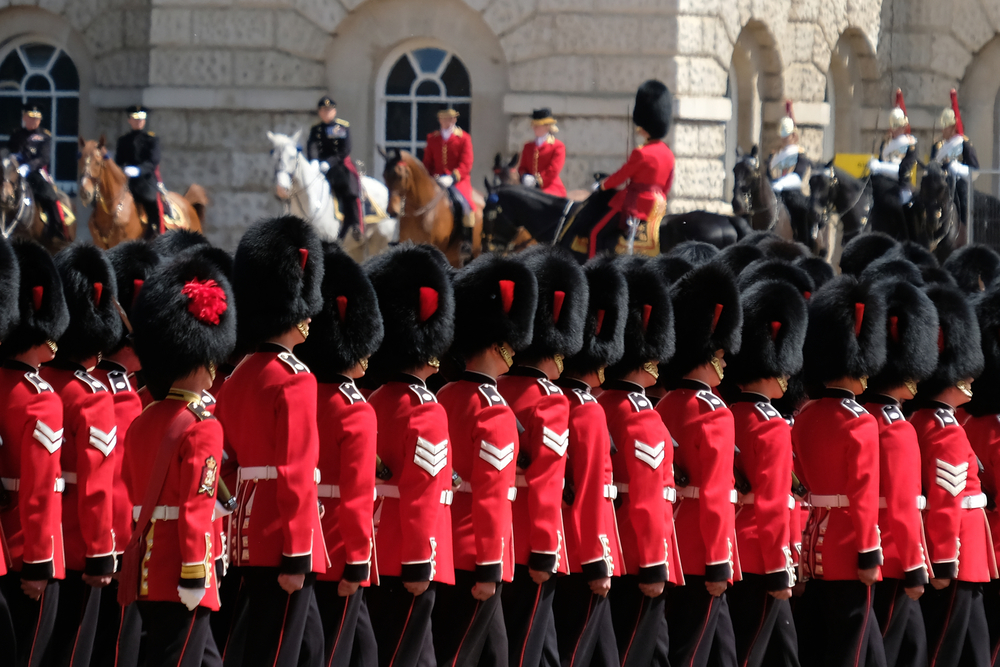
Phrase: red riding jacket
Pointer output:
(453, 157)
(984, 436)
(650, 175)
(545, 163)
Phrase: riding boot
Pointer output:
(168, 210)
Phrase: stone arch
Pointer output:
(853, 79)
(979, 99)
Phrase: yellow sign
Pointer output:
(855, 164)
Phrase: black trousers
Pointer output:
(229, 623)
(837, 627)
(145, 194)
(640, 625)
(402, 623)
(282, 630)
(116, 642)
(582, 621)
(25, 623)
(175, 637)
(349, 638)
(469, 632)
(345, 187)
(991, 604)
(75, 625)
(764, 627)
(701, 630)
(957, 632)
(902, 624)
(531, 627)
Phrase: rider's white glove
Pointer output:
(528, 180)
(132, 171)
(24, 170)
(190, 597)
(596, 186)
(324, 166)
(446, 181)
(958, 168)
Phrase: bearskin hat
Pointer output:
(757, 237)
(737, 257)
(986, 388)
(183, 319)
(846, 333)
(818, 269)
(974, 267)
(864, 249)
(709, 316)
(777, 269)
(649, 319)
(654, 108)
(935, 275)
(91, 291)
(695, 253)
(495, 301)
(562, 302)
(893, 265)
(604, 327)
(413, 286)
(133, 262)
(671, 267)
(277, 274)
(42, 311)
(10, 278)
(911, 334)
(779, 248)
(774, 330)
(959, 343)
(919, 255)
(176, 241)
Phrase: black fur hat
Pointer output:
(10, 278)
(649, 319)
(41, 304)
(709, 316)
(91, 290)
(919, 255)
(738, 256)
(935, 275)
(184, 318)
(774, 330)
(777, 269)
(413, 286)
(133, 262)
(654, 108)
(349, 326)
(911, 335)
(818, 269)
(695, 253)
(890, 266)
(986, 388)
(780, 248)
(277, 278)
(604, 328)
(176, 241)
(864, 249)
(562, 302)
(671, 267)
(846, 334)
(495, 301)
(960, 352)
(757, 237)
(974, 267)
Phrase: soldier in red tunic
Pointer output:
(543, 158)
(961, 552)
(774, 330)
(341, 338)
(543, 411)
(707, 308)
(184, 323)
(89, 451)
(495, 301)
(448, 157)
(31, 428)
(414, 531)
(643, 476)
(837, 458)
(268, 412)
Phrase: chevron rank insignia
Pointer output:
(584, 396)
(892, 414)
(423, 393)
(555, 441)
(350, 391)
(119, 382)
(651, 455)
(498, 457)
(430, 456)
(952, 478)
(93, 383)
(767, 411)
(293, 362)
(639, 401)
(49, 439)
(491, 395)
(853, 407)
(103, 442)
(713, 401)
(548, 387)
(945, 417)
(40, 385)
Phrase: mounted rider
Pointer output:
(542, 159)
(330, 143)
(448, 157)
(898, 153)
(138, 154)
(789, 166)
(955, 152)
(31, 146)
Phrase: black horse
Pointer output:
(755, 200)
(837, 201)
(935, 218)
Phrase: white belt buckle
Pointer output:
(670, 494)
(512, 494)
(447, 497)
(60, 486)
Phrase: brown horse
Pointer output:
(424, 208)
(20, 217)
(115, 217)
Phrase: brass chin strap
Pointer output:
(433, 362)
(212, 370)
(559, 362)
(52, 346)
(364, 364)
(600, 375)
(717, 365)
(911, 386)
(507, 359)
(964, 387)
(650, 368)
(303, 328)
(864, 383)
(783, 383)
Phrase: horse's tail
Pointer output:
(198, 199)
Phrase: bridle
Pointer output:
(402, 171)
(756, 175)
(297, 193)
(95, 185)
(831, 207)
(7, 204)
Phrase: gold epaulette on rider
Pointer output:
(152, 134)
(341, 121)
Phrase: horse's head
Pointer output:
(823, 186)
(499, 230)
(9, 185)
(746, 175)
(91, 158)
(939, 204)
(505, 174)
(284, 158)
(397, 177)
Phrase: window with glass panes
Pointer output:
(421, 83)
(44, 75)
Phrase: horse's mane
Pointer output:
(395, 157)
(534, 195)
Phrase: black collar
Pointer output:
(271, 347)
(694, 385)
(834, 392)
(109, 365)
(407, 378)
(936, 405)
(622, 385)
(572, 383)
(527, 371)
(15, 365)
(751, 397)
(65, 365)
(478, 378)
(330, 377)
(880, 399)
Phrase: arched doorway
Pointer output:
(979, 99)
(853, 71)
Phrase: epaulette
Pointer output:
(293, 362)
(639, 401)
(892, 414)
(199, 410)
(46, 132)
(945, 418)
(119, 382)
(457, 131)
(152, 134)
(341, 121)
(584, 396)
(350, 391)
(491, 395)
(423, 393)
(89, 380)
(711, 399)
(853, 407)
(207, 398)
(767, 411)
(35, 380)
(549, 387)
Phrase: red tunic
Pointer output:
(545, 162)
(644, 477)
(414, 524)
(179, 551)
(31, 430)
(88, 464)
(128, 406)
(453, 158)
(347, 439)
(984, 436)
(836, 448)
(543, 411)
(650, 174)
(268, 412)
(958, 535)
(764, 439)
(703, 427)
(484, 445)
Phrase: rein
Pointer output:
(296, 194)
(406, 182)
(24, 204)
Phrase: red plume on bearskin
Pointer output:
(206, 300)
(774, 329)
(911, 336)
(91, 291)
(604, 326)
(134, 262)
(959, 340)
(959, 127)
(563, 295)
(648, 317)
(37, 294)
(899, 100)
(342, 307)
(428, 303)
(506, 295)
(41, 307)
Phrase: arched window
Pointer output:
(421, 82)
(44, 75)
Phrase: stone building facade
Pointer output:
(217, 74)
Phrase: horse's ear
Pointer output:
(497, 162)
(829, 164)
(82, 141)
(739, 153)
(753, 151)
(295, 137)
(514, 160)
(271, 136)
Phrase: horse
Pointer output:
(304, 191)
(840, 206)
(424, 209)
(755, 200)
(115, 217)
(507, 174)
(935, 220)
(21, 217)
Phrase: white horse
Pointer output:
(305, 192)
